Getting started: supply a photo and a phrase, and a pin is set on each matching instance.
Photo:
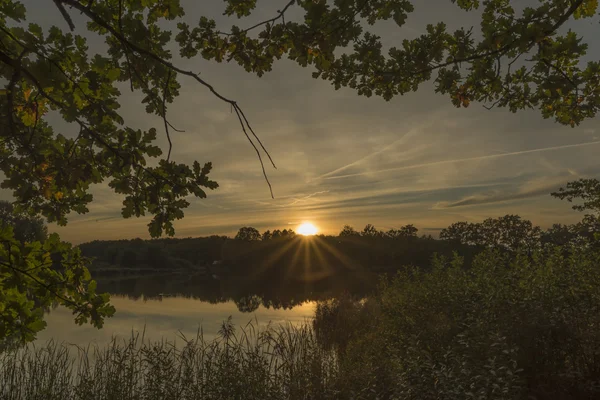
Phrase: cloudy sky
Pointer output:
(345, 159)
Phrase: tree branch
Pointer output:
(98, 20)
(239, 115)
(560, 71)
(80, 308)
(501, 51)
(164, 113)
(65, 14)
(15, 64)
(280, 15)
(54, 63)
(121, 30)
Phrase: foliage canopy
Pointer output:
(26, 228)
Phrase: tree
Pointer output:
(509, 232)
(558, 235)
(460, 233)
(248, 234)
(348, 231)
(470, 65)
(585, 190)
(156, 257)
(26, 228)
(248, 304)
(288, 233)
(266, 235)
(588, 229)
(370, 231)
(408, 231)
(129, 258)
(51, 174)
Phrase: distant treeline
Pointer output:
(284, 254)
(364, 250)
(156, 254)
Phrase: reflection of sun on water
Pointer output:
(307, 229)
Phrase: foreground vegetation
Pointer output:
(506, 326)
(276, 363)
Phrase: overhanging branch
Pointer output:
(134, 47)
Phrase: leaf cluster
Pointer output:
(35, 277)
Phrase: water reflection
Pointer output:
(165, 306)
(166, 318)
(248, 295)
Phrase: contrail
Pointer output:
(306, 197)
(487, 157)
(295, 200)
(404, 137)
(365, 158)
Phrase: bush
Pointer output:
(505, 327)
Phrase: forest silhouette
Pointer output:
(281, 269)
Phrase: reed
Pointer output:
(276, 362)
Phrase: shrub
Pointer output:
(505, 327)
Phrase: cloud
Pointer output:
(528, 190)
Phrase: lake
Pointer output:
(165, 318)
(171, 304)
(166, 306)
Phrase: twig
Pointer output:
(239, 115)
(149, 93)
(280, 15)
(257, 138)
(121, 30)
(65, 14)
(164, 113)
(560, 71)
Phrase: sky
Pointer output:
(344, 159)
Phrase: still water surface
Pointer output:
(165, 318)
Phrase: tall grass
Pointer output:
(277, 362)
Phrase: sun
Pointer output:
(307, 229)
